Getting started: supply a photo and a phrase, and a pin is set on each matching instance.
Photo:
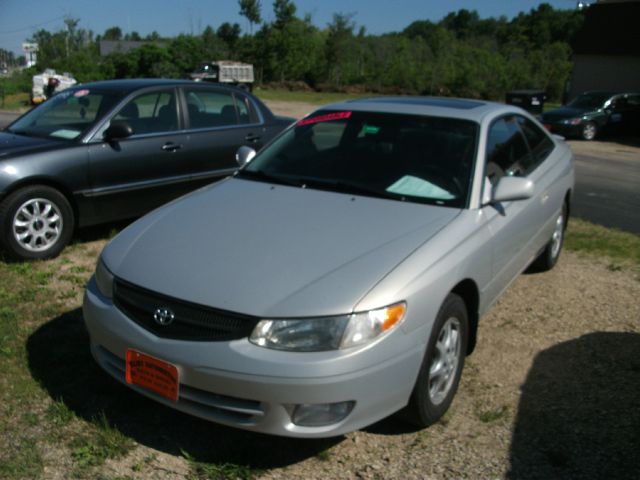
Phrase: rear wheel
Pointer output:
(37, 223)
(439, 375)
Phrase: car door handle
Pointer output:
(171, 147)
(252, 138)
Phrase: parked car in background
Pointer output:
(340, 275)
(116, 149)
(592, 113)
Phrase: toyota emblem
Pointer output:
(163, 316)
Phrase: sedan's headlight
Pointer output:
(327, 333)
(104, 279)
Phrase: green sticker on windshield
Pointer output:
(370, 129)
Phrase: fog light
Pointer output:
(321, 414)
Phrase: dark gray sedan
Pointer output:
(112, 150)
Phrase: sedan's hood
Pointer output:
(271, 250)
(563, 113)
(11, 144)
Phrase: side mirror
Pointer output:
(512, 188)
(117, 130)
(244, 155)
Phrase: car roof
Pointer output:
(138, 83)
(468, 109)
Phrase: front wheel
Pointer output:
(589, 131)
(37, 223)
(439, 375)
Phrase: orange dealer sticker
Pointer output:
(152, 374)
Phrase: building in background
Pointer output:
(606, 51)
(31, 53)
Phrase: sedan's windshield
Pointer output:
(67, 115)
(404, 157)
(589, 101)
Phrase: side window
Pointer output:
(245, 112)
(208, 109)
(151, 113)
(507, 152)
(539, 143)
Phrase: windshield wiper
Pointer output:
(348, 187)
(267, 177)
(18, 132)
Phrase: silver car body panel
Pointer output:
(302, 253)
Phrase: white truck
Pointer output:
(48, 83)
(225, 71)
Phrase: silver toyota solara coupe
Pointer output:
(340, 275)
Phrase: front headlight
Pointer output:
(573, 121)
(104, 279)
(327, 333)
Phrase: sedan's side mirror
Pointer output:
(244, 155)
(117, 130)
(512, 188)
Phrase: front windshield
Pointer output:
(403, 157)
(589, 101)
(66, 115)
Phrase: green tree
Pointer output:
(230, 35)
(113, 33)
(250, 9)
(284, 11)
(340, 49)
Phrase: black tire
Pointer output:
(589, 131)
(429, 403)
(551, 253)
(37, 223)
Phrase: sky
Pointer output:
(21, 18)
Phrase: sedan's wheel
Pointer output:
(551, 253)
(589, 131)
(37, 222)
(439, 375)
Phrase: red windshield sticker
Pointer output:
(324, 118)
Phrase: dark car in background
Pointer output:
(592, 113)
(116, 149)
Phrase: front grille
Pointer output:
(190, 321)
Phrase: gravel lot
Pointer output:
(551, 392)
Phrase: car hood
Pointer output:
(271, 250)
(563, 113)
(12, 144)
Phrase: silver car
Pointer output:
(340, 275)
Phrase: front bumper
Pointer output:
(566, 130)
(242, 385)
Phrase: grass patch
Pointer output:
(319, 98)
(489, 416)
(106, 442)
(24, 461)
(209, 471)
(586, 237)
(59, 414)
(15, 101)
